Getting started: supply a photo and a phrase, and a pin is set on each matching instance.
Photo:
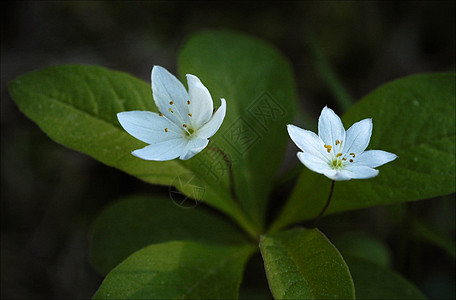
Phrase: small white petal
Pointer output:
(359, 172)
(337, 175)
(148, 126)
(200, 105)
(330, 127)
(374, 158)
(358, 136)
(167, 89)
(162, 151)
(211, 127)
(307, 141)
(313, 163)
(193, 147)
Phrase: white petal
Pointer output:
(313, 162)
(308, 141)
(211, 127)
(374, 158)
(193, 147)
(200, 101)
(148, 126)
(358, 136)
(359, 172)
(337, 175)
(330, 127)
(169, 93)
(162, 151)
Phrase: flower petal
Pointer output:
(337, 175)
(313, 163)
(374, 158)
(211, 127)
(358, 136)
(200, 105)
(308, 141)
(193, 147)
(330, 127)
(170, 95)
(148, 126)
(359, 172)
(165, 150)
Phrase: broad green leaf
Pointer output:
(139, 221)
(303, 264)
(257, 83)
(414, 118)
(364, 246)
(178, 270)
(76, 106)
(376, 282)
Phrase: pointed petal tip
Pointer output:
(327, 109)
(290, 129)
(157, 70)
(188, 75)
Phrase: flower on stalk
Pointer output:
(336, 153)
(185, 121)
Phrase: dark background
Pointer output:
(50, 194)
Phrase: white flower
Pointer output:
(185, 121)
(337, 154)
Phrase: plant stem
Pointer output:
(314, 223)
(242, 218)
(230, 170)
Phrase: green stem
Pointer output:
(242, 218)
(314, 222)
(230, 170)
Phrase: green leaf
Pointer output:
(136, 222)
(303, 264)
(414, 118)
(178, 270)
(257, 83)
(376, 282)
(76, 106)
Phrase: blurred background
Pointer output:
(50, 194)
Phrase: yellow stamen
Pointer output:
(337, 142)
(171, 102)
(351, 160)
(160, 114)
(185, 125)
(328, 148)
(190, 115)
(166, 129)
(339, 154)
(188, 102)
(344, 158)
(353, 154)
(170, 110)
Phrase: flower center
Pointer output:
(189, 131)
(338, 160)
(186, 129)
(336, 164)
